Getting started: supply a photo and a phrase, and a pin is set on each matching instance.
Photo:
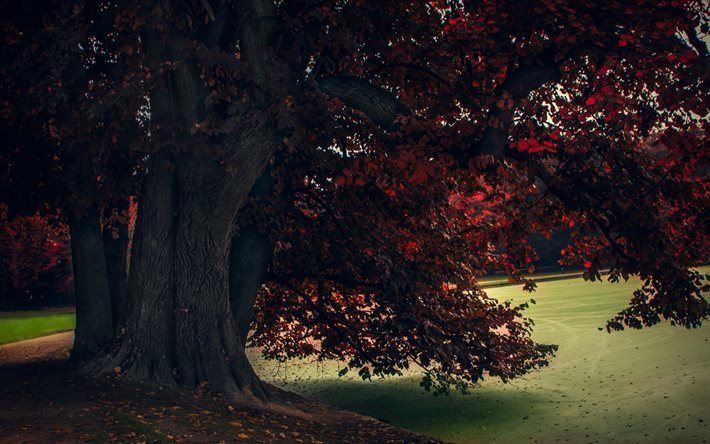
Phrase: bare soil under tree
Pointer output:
(41, 401)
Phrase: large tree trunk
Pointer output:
(116, 248)
(147, 350)
(208, 344)
(181, 329)
(91, 292)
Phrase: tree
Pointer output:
(69, 118)
(366, 161)
(34, 268)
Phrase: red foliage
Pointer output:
(601, 151)
(35, 267)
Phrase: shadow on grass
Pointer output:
(402, 403)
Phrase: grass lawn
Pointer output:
(648, 386)
(18, 325)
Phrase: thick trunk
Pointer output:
(147, 351)
(115, 237)
(91, 292)
(181, 329)
(208, 348)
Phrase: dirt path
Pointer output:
(42, 401)
(33, 350)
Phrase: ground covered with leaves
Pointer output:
(41, 401)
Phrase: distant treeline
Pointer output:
(549, 250)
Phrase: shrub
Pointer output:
(35, 267)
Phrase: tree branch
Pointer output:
(412, 67)
(379, 105)
(516, 87)
(258, 30)
(697, 43)
(382, 107)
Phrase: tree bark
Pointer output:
(182, 330)
(147, 350)
(115, 238)
(93, 302)
(208, 345)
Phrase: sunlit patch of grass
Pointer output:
(16, 326)
(648, 386)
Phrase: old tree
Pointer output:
(330, 177)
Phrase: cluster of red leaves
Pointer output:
(35, 266)
(387, 290)
(379, 247)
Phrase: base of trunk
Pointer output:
(228, 371)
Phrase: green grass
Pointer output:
(19, 325)
(648, 386)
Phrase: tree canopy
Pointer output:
(359, 165)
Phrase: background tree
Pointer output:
(35, 268)
(69, 129)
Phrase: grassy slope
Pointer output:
(18, 325)
(644, 386)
